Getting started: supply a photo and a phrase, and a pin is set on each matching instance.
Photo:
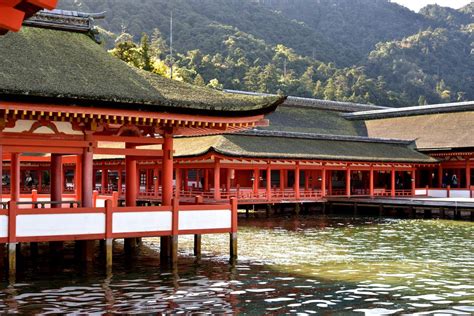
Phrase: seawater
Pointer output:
(287, 265)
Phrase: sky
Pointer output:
(416, 5)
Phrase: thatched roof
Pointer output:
(430, 131)
(300, 146)
(59, 66)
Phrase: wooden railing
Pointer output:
(111, 221)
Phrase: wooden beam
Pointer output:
(44, 143)
(52, 150)
(46, 4)
(129, 152)
(10, 18)
(139, 141)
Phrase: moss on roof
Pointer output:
(71, 67)
(312, 120)
(299, 148)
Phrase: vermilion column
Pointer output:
(392, 183)
(156, 181)
(413, 182)
(56, 179)
(78, 178)
(178, 182)
(15, 177)
(186, 180)
(348, 181)
(167, 171)
(468, 173)
(371, 184)
(297, 181)
(282, 180)
(131, 180)
(103, 182)
(206, 180)
(323, 181)
(228, 180)
(217, 180)
(440, 176)
(256, 181)
(269, 182)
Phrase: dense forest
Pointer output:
(370, 51)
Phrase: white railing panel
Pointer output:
(3, 226)
(134, 222)
(38, 225)
(215, 219)
(455, 193)
(438, 193)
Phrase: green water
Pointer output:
(300, 265)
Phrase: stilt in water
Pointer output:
(12, 262)
(174, 250)
(356, 210)
(165, 249)
(457, 214)
(233, 247)
(34, 250)
(297, 209)
(109, 249)
(381, 210)
(269, 210)
(442, 213)
(323, 208)
(247, 212)
(428, 214)
(197, 246)
(130, 245)
(411, 212)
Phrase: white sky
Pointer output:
(416, 5)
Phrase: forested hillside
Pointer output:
(352, 50)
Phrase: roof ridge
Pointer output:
(75, 21)
(299, 135)
(412, 111)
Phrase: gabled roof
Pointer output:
(60, 66)
(257, 144)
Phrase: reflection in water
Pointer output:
(305, 265)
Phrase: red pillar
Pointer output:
(297, 180)
(78, 178)
(269, 182)
(282, 180)
(348, 181)
(103, 181)
(167, 171)
(156, 181)
(87, 177)
(371, 182)
(329, 182)
(56, 179)
(119, 181)
(323, 182)
(217, 180)
(256, 181)
(178, 181)
(206, 180)
(392, 185)
(468, 173)
(440, 176)
(413, 182)
(131, 180)
(186, 180)
(15, 177)
(228, 176)
(306, 180)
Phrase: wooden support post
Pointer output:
(1, 176)
(323, 182)
(269, 182)
(12, 242)
(371, 182)
(15, 177)
(468, 173)
(109, 205)
(413, 182)
(297, 209)
(178, 182)
(282, 180)
(175, 232)
(56, 184)
(440, 176)
(348, 182)
(206, 180)
(233, 234)
(156, 182)
(392, 182)
(78, 178)
(87, 200)
(411, 212)
(356, 210)
(297, 181)
(256, 181)
(228, 180)
(167, 172)
(197, 246)
(380, 210)
(217, 180)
